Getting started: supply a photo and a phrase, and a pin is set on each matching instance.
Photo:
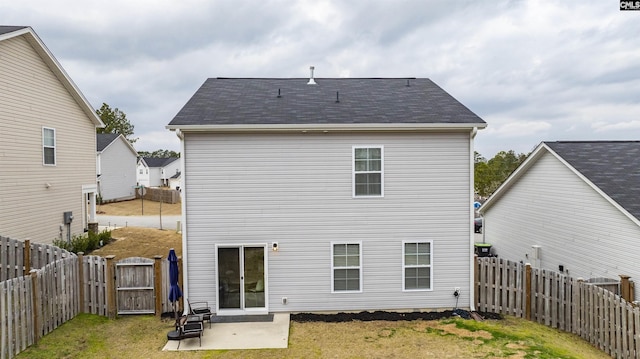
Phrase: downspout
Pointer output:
(183, 225)
(472, 299)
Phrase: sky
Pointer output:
(534, 70)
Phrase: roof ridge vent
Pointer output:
(311, 80)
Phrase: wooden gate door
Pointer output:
(134, 286)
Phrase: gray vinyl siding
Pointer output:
(32, 97)
(118, 171)
(552, 207)
(297, 190)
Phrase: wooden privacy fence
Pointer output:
(34, 303)
(599, 316)
(15, 261)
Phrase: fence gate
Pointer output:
(134, 286)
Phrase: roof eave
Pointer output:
(366, 127)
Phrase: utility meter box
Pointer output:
(68, 217)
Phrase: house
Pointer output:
(174, 181)
(571, 207)
(142, 172)
(47, 144)
(326, 195)
(116, 167)
(156, 172)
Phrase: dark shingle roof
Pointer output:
(158, 162)
(246, 101)
(104, 139)
(7, 29)
(613, 166)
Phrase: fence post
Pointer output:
(27, 256)
(527, 291)
(625, 288)
(157, 268)
(111, 288)
(81, 280)
(35, 299)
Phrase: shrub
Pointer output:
(85, 242)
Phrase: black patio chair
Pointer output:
(186, 328)
(202, 309)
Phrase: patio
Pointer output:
(239, 335)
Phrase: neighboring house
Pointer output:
(571, 207)
(156, 172)
(174, 181)
(47, 144)
(142, 172)
(343, 194)
(116, 170)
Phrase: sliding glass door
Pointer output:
(241, 279)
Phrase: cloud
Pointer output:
(533, 69)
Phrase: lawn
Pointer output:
(91, 336)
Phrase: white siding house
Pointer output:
(116, 170)
(160, 170)
(571, 207)
(142, 173)
(297, 198)
(47, 143)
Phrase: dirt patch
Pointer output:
(137, 207)
(141, 242)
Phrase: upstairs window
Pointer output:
(368, 176)
(49, 146)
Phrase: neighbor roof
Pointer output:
(104, 139)
(613, 167)
(158, 162)
(332, 101)
(4, 29)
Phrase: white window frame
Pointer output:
(353, 171)
(334, 267)
(45, 146)
(430, 265)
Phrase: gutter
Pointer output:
(329, 127)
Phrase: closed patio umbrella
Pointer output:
(174, 289)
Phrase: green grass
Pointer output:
(91, 336)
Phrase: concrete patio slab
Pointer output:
(247, 335)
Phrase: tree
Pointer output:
(489, 175)
(159, 154)
(115, 121)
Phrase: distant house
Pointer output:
(142, 172)
(174, 181)
(571, 207)
(47, 144)
(156, 172)
(116, 169)
(327, 195)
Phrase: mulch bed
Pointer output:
(388, 316)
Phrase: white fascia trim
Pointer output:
(328, 127)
